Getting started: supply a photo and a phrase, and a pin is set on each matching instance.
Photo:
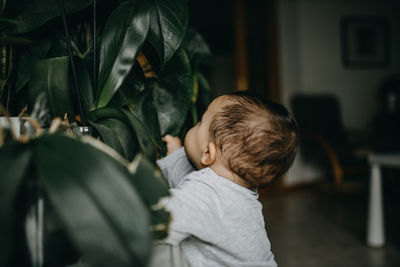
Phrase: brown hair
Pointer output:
(258, 139)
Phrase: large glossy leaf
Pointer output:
(58, 45)
(148, 183)
(102, 211)
(2, 6)
(51, 76)
(146, 141)
(152, 188)
(14, 163)
(162, 103)
(30, 15)
(204, 96)
(25, 60)
(197, 49)
(124, 34)
(137, 127)
(172, 94)
(138, 95)
(118, 135)
(85, 85)
(143, 107)
(168, 24)
(130, 90)
(13, 40)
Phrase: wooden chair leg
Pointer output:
(338, 176)
(334, 161)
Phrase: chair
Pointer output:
(322, 135)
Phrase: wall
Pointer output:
(311, 60)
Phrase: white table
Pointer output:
(375, 220)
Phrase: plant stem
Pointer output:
(94, 48)
(194, 114)
(3, 6)
(194, 98)
(10, 66)
(3, 68)
(71, 57)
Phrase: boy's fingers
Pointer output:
(165, 138)
(168, 138)
(173, 143)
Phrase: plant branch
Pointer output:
(10, 65)
(94, 48)
(73, 45)
(78, 93)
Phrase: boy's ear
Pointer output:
(209, 155)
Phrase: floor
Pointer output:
(313, 226)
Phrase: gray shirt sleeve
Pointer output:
(175, 166)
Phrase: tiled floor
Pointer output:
(314, 227)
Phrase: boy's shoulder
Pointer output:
(206, 181)
(205, 177)
(199, 181)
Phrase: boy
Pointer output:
(240, 145)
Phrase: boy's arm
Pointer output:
(176, 164)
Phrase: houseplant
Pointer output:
(94, 204)
(137, 78)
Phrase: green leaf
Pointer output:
(136, 93)
(51, 76)
(93, 195)
(162, 104)
(205, 95)
(58, 45)
(13, 40)
(85, 85)
(6, 53)
(25, 61)
(137, 127)
(201, 98)
(129, 92)
(197, 49)
(143, 107)
(124, 34)
(30, 15)
(118, 135)
(152, 188)
(172, 94)
(14, 163)
(145, 140)
(2, 6)
(168, 24)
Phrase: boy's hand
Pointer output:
(173, 143)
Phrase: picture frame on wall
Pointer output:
(365, 42)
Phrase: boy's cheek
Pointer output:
(187, 137)
(189, 146)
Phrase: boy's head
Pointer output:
(256, 139)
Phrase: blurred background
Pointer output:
(336, 65)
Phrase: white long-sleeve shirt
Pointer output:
(215, 221)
